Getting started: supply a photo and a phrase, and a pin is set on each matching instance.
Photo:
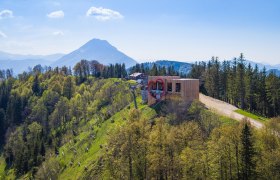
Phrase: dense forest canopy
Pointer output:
(154, 70)
(59, 124)
(240, 84)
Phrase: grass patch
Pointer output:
(2, 168)
(86, 159)
(6, 174)
(226, 121)
(250, 115)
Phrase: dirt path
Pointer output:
(225, 109)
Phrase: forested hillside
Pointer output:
(59, 124)
(163, 67)
(240, 84)
(41, 108)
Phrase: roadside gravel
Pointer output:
(226, 109)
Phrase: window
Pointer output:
(178, 87)
(154, 86)
(169, 87)
(159, 85)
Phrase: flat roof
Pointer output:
(135, 74)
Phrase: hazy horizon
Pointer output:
(145, 30)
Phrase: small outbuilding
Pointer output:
(136, 76)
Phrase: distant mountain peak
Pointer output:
(95, 49)
(96, 44)
(96, 41)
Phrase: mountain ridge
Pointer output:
(95, 49)
(102, 51)
(11, 56)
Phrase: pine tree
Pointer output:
(154, 70)
(142, 68)
(247, 153)
(2, 126)
(209, 80)
(68, 87)
(216, 78)
(249, 87)
(36, 86)
(223, 80)
(212, 81)
(123, 71)
(234, 83)
(255, 84)
(262, 101)
(240, 80)
(273, 94)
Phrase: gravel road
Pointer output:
(225, 109)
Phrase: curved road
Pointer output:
(226, 109)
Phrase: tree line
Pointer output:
(84, 69)
(154, 70)
(236, 82)
(6, 73)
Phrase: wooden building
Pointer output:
(162, 87)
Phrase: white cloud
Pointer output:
(6, 14)
(58, 33)
(56, 14)
(103, 14)
(3, 35)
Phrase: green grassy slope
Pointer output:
(76, 158)
(250, 115)
(228, 121)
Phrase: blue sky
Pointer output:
(185, 30)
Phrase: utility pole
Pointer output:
(132, 88)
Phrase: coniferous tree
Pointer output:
(255, 84)
(239, 84)
(209, 80)
(273, 94)
(240, 81)
(216, 78)
(212, 83)
(154, 70)
(2, 126)
(142, 68)
(262, 92)
(249, 87)
(14, 110)
(234, 82)
(68, 87)
(223, 80)
(36, 86)
(247, 153)
(123, 71)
